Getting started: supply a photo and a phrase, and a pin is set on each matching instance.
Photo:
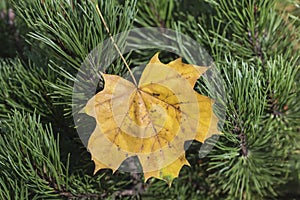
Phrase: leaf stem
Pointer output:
(116, 46)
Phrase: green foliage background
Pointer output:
(255, 46)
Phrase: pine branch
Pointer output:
(24, 88)
(30, 155)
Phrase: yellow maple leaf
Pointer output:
(150, 120)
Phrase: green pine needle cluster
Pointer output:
(255, 48)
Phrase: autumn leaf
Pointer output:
(151, 119)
